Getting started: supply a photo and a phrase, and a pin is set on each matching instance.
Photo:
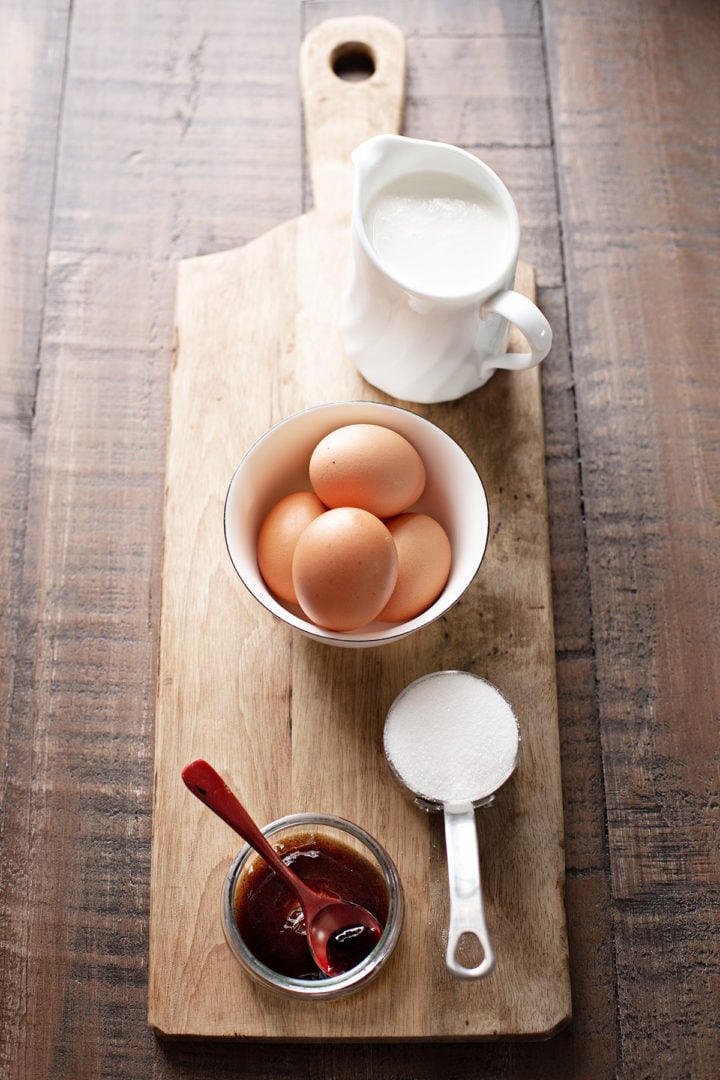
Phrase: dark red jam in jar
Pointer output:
(270, 919)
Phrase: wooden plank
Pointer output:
(460, 18)
(77, 773)
(228, 673)
(30, 95)
(30, 98)
(503, 108)
(643, 262)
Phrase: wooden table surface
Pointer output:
(134, 135)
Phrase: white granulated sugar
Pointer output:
(452, 737)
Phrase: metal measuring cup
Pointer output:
(453, 740)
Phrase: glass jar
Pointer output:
(284, 834)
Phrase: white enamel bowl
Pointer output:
(277, 464)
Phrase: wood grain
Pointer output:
(30, 103)
(167, 130)
(89, 332)
(273, 308)
(642, 257)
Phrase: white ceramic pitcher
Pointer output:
(415, 335)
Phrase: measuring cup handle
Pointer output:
(340, 114)
(521, 311)
(466, 904)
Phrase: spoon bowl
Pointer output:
(339, 933)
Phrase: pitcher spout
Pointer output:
(382, 159)
(371, 154)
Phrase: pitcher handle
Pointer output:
(517, 309)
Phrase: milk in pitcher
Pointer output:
(437, 234)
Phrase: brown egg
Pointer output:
(278, 536)
(423, 565)
(344, 568)
(367, 466)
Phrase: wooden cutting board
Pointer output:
(295, 725)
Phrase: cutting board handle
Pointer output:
(340, 113)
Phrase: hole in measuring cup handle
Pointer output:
(468, 956)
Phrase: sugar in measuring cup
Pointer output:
(453, 740)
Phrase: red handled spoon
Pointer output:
(339, 933)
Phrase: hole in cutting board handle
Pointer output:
(353, 61)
